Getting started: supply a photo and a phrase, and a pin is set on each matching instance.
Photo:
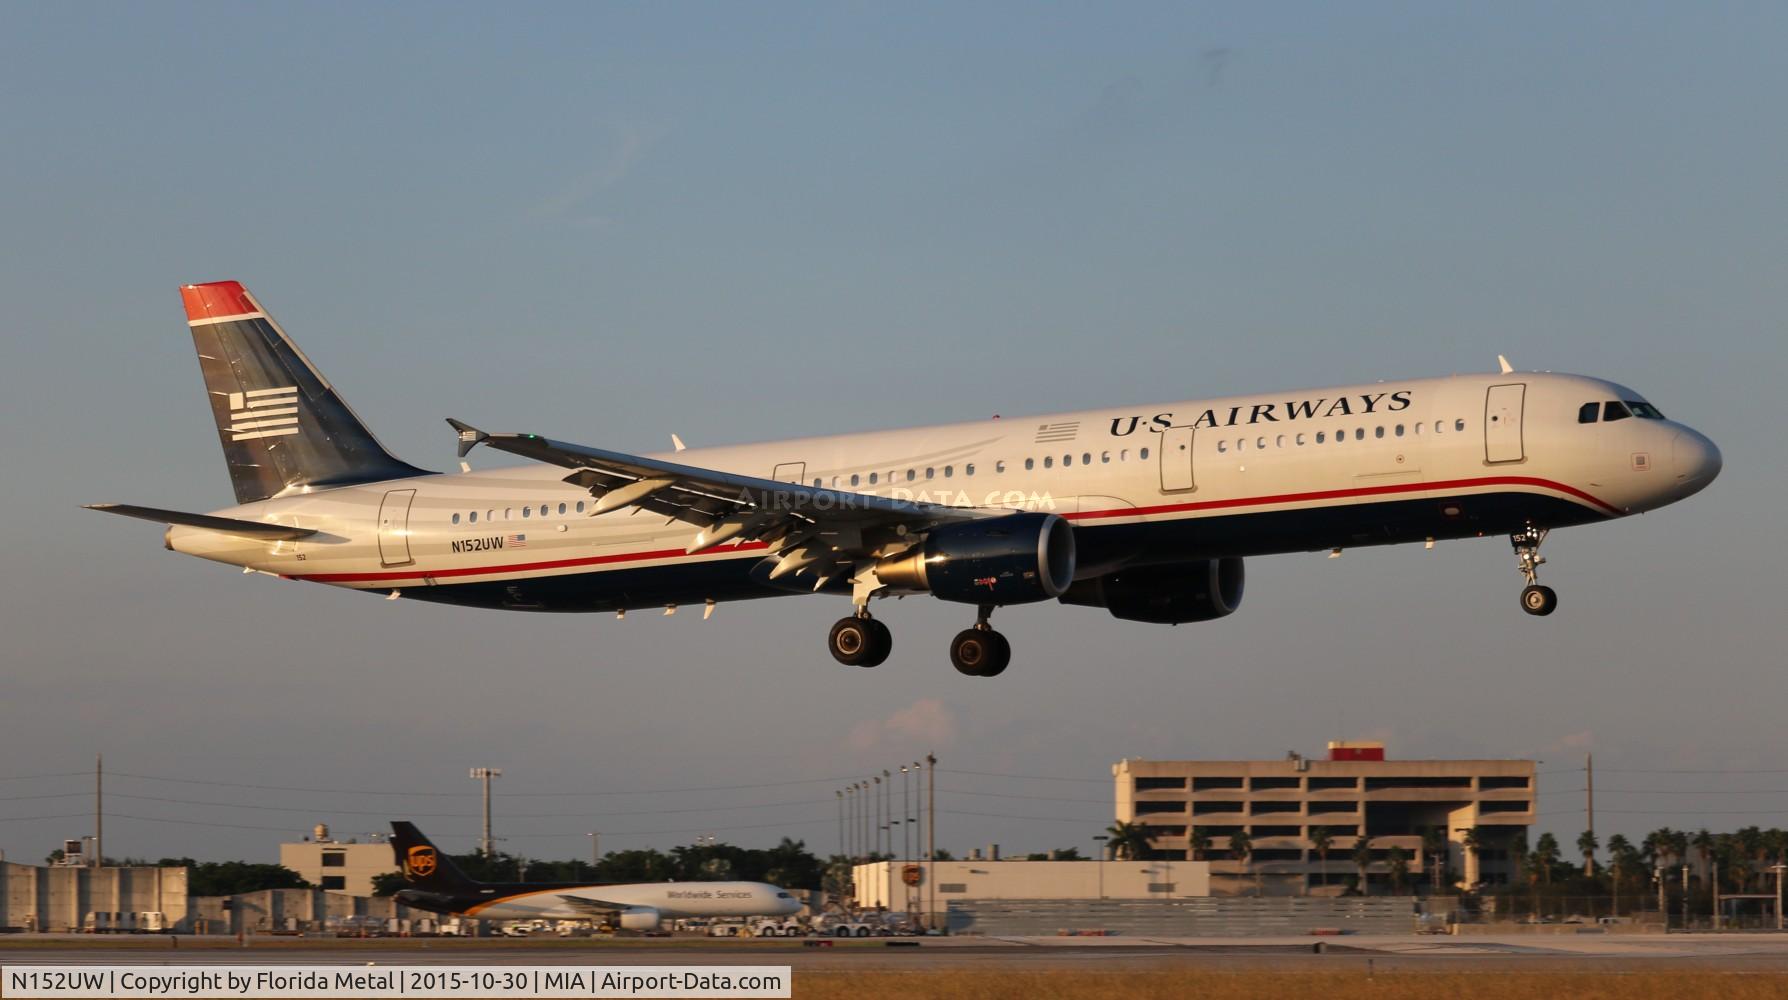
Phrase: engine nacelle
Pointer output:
(639, 918)
(1013, 559)
(1169, 595)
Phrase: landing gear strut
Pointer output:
(860, 641)
(1535, 598)
(980, 651)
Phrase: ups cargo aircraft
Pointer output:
(437, 885)
(1145, 511)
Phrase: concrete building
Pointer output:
(335, 866)
(1355, 792)
(60, 898)
(881, 885)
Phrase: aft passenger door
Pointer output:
(1502, 423)
(1176, 459)
(394, 528)
(789, 472)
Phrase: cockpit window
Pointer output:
(1644, 411)
(1615, 410)
(1587, 413)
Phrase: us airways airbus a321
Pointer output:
(1145, 511)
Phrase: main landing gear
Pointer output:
(980, 651)
(1536, 599)
(860, 641)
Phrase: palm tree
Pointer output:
(1434, 850)
(1200, 843)
(1546, 853)
(1241, 848)
(1703, 842)
(1619, 853)
(1129, 841)
(1399, 859)
(1587, 844)
(1320, 841)
(1362, 857)
(1474, 842)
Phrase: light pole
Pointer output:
(1099, 840)
(840, 794)
(485, 774)
(595, 854)
(1778, 870)
(1685, 898)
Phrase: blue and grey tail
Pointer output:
(281, 423)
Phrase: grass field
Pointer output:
(1324, 985)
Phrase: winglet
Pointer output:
(1504, 362)
(469, 437)
(678, 442)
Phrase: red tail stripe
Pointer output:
(217, 298)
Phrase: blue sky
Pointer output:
(612, 223)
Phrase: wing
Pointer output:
(815, 534)
(593, 907)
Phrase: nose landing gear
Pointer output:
(1536, 599)
(980, 651)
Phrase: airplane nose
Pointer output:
(1696, 459)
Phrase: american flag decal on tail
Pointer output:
(263, 413)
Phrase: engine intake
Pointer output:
(1013, 559)
(1169, 595)
(639, 918)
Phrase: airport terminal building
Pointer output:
(1356, 791)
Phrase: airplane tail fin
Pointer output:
(281, 423)
(423, 865)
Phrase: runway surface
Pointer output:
(1386, 953)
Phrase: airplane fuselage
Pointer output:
(667, 900)
(1308, 470)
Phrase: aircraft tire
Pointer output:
(852, 642)
(1539, 600)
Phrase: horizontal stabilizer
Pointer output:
(227, 525)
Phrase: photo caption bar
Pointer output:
(365, 981)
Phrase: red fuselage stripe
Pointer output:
(1282, 498)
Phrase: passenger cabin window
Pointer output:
(1615, 410)
(455, 518)
(1459, 425)
(562, 510)
(1029, 464)
(855, 479)
(580, 506)
(1587, 413)
(1143, 454)
(474, 517)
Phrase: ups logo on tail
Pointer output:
(420, 862)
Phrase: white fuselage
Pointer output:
(669, 900)
(1303, 470)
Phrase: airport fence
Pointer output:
(1211, 916)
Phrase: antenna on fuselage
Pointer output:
(1504, 362)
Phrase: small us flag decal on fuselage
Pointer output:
(263, 413)
(518, 541)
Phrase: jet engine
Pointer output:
(639, 918)
(1011, 559)
(1171, 595)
